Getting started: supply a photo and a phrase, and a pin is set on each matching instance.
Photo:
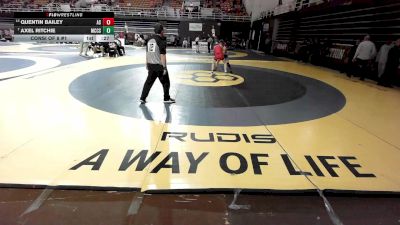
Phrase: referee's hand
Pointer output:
(165, 71)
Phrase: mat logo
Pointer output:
(232, 163)
(219, 137)
(211, 78)
(205, 78)
(329, 163)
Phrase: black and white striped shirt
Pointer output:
(156, 46)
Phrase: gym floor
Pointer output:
(273, 142)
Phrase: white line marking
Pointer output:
(38, 202)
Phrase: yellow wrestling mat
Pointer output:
(50, 138)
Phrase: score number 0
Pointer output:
(108, 22)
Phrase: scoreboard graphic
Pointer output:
(64, 26)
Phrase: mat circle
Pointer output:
(11, 64)
(266, 97)
(58, 48)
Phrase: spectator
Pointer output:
(184, 43)
(226, 58)
(84, 48)
(106, 47)
(209, 43)
(197, 44)
(391, 66)
(120, 48)
(349, 66)
(365, 52)
(112, 49)
(304, 51)
(381, 58)
(315, 52)
(243, 44)
(325, 50)
(214, 40)
(98, 49)
(268, 45)
(141, 41)
(81, 4)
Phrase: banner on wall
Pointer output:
(203, 46)
(195, 27)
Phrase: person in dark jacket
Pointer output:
(120, 48)
(349, 67)
(392, 66)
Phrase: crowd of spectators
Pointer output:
(365, 61)
(111, 49)
(231, 7)
(361, 60)
(54, 3)
(81, 3)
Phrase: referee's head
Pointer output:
(159, 29)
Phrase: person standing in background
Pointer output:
(226, 59)
(84, 48)
(267, 45)
(184, 43)
(209, 43)
(365, 52)
(392, 66)
(349, 66)
(382, 56)
(197, 44)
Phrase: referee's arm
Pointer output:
(163, 53)
(164, 60)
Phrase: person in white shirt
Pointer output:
(381, 58)
(365, 52)
(84, 48)
(184, 43)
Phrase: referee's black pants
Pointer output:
(151, 78)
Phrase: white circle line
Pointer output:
(41, 64)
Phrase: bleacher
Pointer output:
(233, 7)
(13, 4)
(226, 6)
(341, 24)
(41, 2)
(117, 3)
(141, 3)
(229, 7)
(338, 23)
(161, 9)
(176, 4)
